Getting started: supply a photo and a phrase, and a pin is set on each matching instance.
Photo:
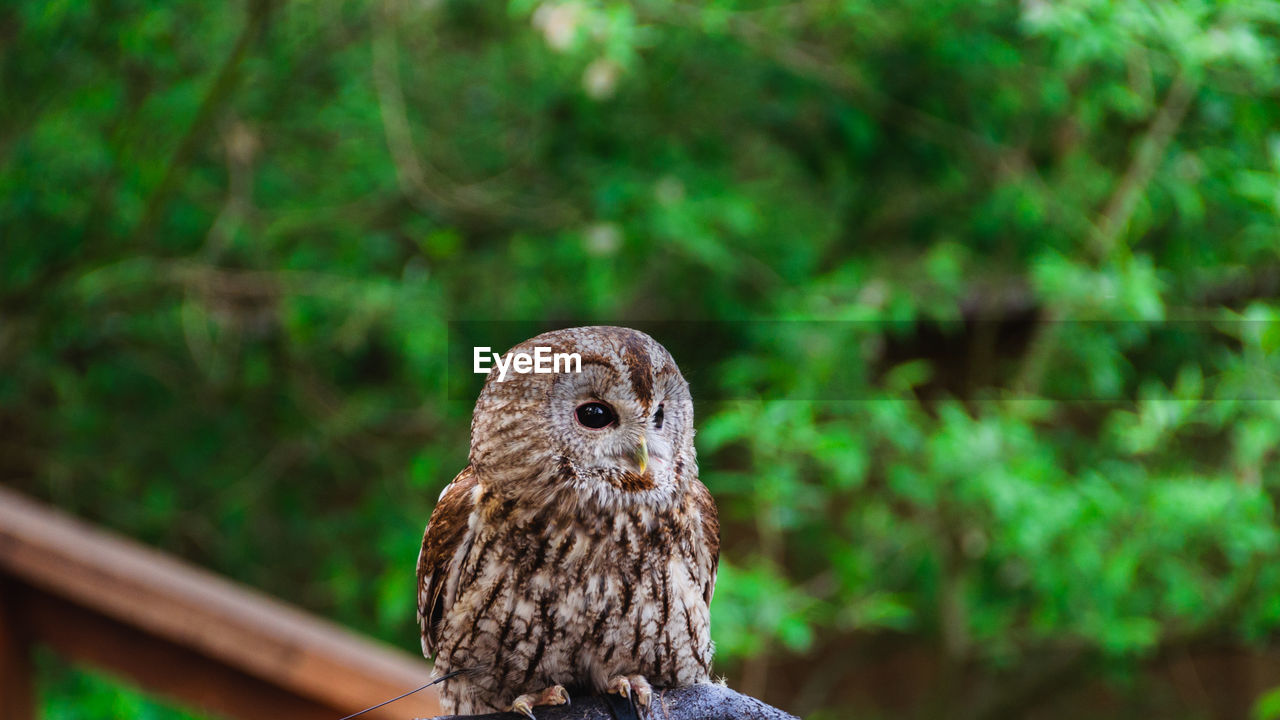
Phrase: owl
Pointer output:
(577, 551)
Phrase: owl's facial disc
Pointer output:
(626, 444)
(619, 427)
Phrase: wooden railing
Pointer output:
(178, 631)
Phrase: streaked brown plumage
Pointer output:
(566, 556)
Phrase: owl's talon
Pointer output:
(620, 685)
(643, 690)
(635, 688)
(554, 695)
(522, 706)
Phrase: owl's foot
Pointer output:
(554, 695)
(633, 687)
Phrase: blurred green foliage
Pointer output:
(68, 693)
(231, 237)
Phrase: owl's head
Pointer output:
(619, 429)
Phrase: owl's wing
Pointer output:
(709, 517)
(444, 533)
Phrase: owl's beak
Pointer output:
(641, 455)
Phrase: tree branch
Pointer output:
(219, 91)
(1151, 149)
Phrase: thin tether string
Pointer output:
(440, 679)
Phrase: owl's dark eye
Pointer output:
(657, 418)
(595, 415)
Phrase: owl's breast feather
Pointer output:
(542, 598)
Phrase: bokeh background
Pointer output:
(987, 297)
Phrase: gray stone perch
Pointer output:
(696, 702)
